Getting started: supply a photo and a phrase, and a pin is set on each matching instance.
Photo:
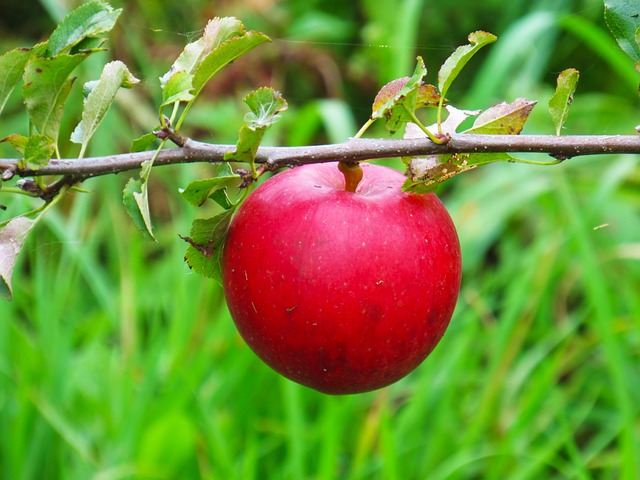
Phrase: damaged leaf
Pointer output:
(503, 118)
(12, 237)
(427, 180)
(398, 108)
(427, 95)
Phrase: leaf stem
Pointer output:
(435, 139)
(174, 113)
(18, 191)
(555, 161)
(439, 113)
(364, 128)
(184, 113)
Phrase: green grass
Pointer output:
(117, 362)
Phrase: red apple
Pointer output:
(341, 291)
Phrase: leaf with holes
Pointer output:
(46, 87)
(12, 66)
(426, 180)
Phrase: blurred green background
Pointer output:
(117, 362)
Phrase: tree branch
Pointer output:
(562, 147)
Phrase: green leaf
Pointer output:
(12, 65)
(265, 105)
(623, 19)
(224, 54)
(88, 20)
(186, 62)
(561, 100)
(224, 40)
(246, 146)
(206, 241)
(177, 83)
(131, 206)
(12, 238)
(46, 87)
(216, 32)
(198, 191)
(503, 119)
(136, 201)
(459, 58)
(38, 151)
(143, 143)
(398, 108)
(178, 88)
(221, 197)
(19, 142)
(114, 75)
(89, 45)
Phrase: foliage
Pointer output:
(47, 84)
(117, 363)
(624, 22)
(563, 97)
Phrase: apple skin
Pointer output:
(344, 292)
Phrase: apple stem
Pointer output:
(352, 175)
